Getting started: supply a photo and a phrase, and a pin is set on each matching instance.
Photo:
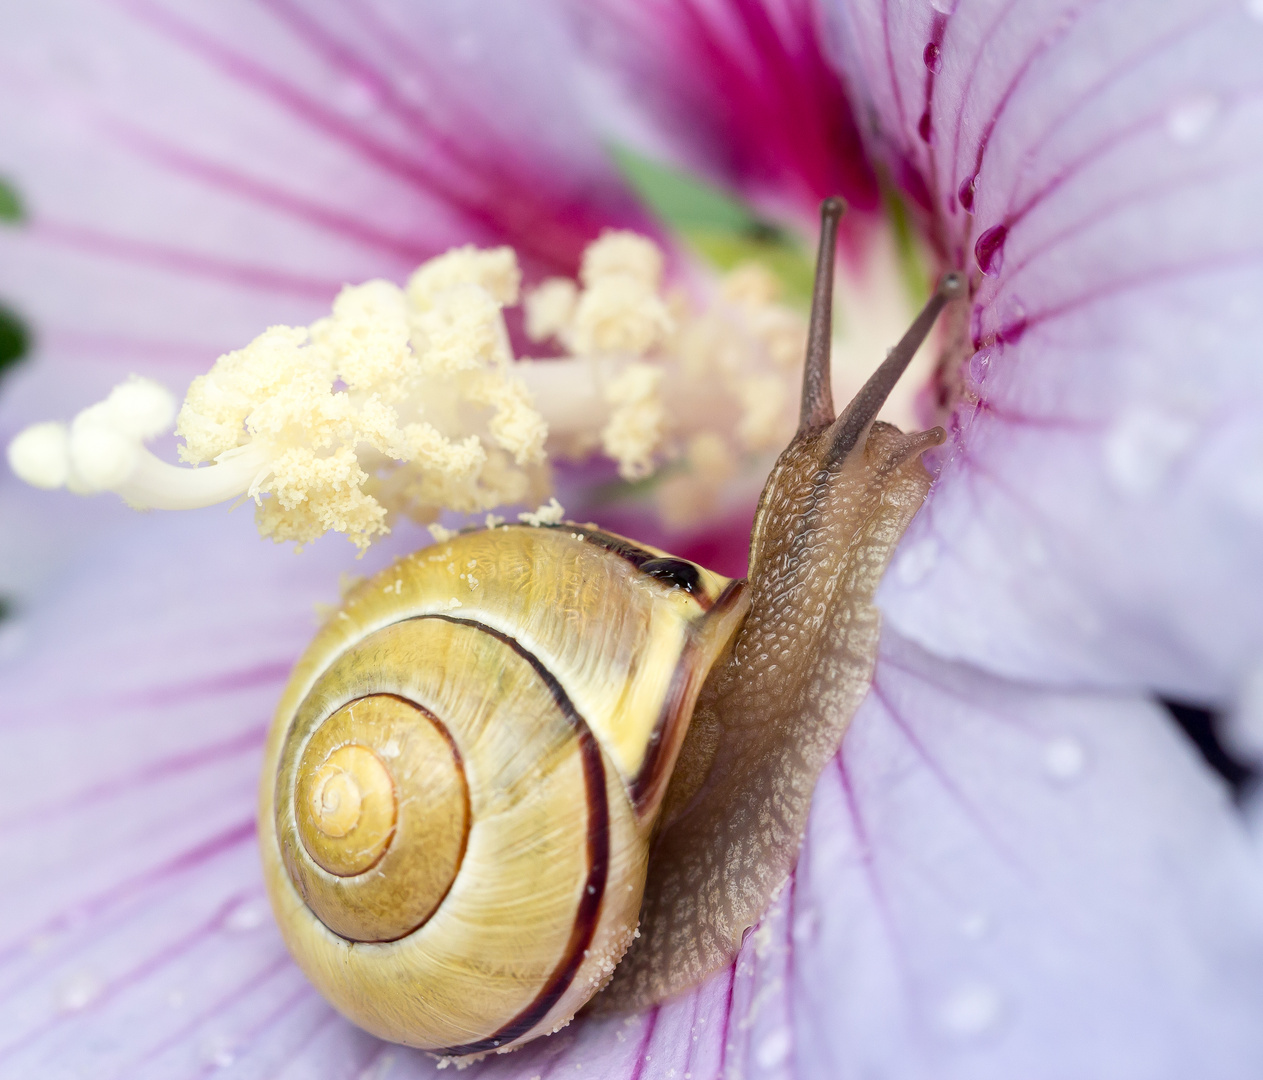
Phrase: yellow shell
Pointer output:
(464, 774)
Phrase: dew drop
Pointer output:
(1012, 314)
(78, 992)
(933, 57)
(917, 561)
(774, 1049)
(975, 926)
(989, 250)
(925, 127)
(245, 917)
(972, 1009)
(1143, 446)
(1190, 119)
(975, 325)
(944, 7)
(980, 365)
(218, 1052)
(1064, 759)
(965, 193)
(806, 925)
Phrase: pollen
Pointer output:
(549, 514)
(635, 427)
(408, 400)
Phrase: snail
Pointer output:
(533, 768)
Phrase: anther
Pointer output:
(857, 416)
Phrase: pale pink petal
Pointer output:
(997, 881)
(1100, 513)
(195, 173)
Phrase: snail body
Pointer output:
(531, 761)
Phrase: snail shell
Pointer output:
(509, 751)
(463, 779)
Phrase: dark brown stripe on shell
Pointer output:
(670, 717)
(589, 909)
(672, 572)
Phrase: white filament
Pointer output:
(103, 450)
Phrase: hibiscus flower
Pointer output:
(1016, 865)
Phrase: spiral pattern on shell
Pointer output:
(465, 771)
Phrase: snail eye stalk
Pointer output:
(817, 404)
(867, 403)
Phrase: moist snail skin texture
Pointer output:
(531, 767)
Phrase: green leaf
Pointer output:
(11, 209)
(15, 339)
(683, 202)
(912, 267)
(720, 227)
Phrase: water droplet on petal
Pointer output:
(980, 365)
(806, 924)
(79, 991)
(246, 916)
(925, 127)
(1144, 444)
(1012, 314)
(989, 250)
(975, 324)
(933, 57)
(218, 1052)
(916, 562)
(774, 1049)
(1064, 759)
(965, 193)
(972, 1009)
(944, 7)
(1190, 119)
(975, 925)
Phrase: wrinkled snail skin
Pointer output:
(510, 750)
(773, 712)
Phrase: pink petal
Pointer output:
(997, 881)
(1100, 514)
(741, 88)
(248, 158)
(195, 174)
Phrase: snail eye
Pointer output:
(677, 572)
